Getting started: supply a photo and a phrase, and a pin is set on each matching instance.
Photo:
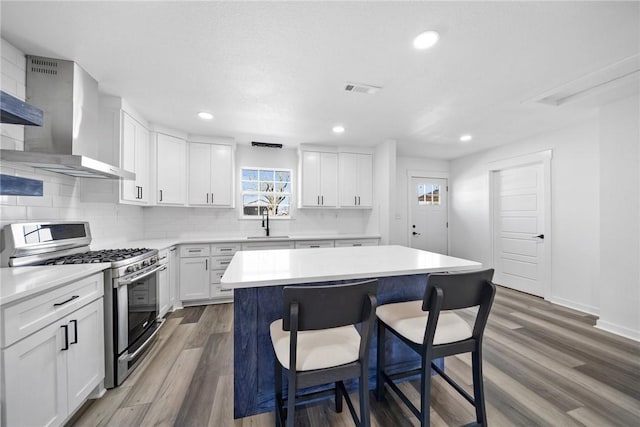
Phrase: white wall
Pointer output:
(172, 222)
(575, 214)
(399, 221)
(620, 212)
(110, 222)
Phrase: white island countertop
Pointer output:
(17, 283)
(286, 266)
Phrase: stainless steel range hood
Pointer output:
(68, 142)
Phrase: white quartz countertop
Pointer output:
(161, 244)
(17, 283)
(286, 266)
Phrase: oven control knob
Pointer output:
(129, 269)
(145, 263)
(154, 260)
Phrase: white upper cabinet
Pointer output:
(355, 178)
(134, 151)
(211, 174)
(319, 172)
(171, 169)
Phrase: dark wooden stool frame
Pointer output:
(444, 292)
(310, 307)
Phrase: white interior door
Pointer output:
(428, 228)
(519, 225)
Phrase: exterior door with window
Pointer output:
(428, 226)
(519, 226)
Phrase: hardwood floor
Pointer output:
(543, 365)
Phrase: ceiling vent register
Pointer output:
(361, 88)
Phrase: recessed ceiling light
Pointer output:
(465, 138)
(338, 129)
(205, 116)
(426, 40)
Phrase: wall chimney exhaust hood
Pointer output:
(67, 142)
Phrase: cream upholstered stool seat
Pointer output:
(316, 349)
(408, 319)
(316, 342)
(433, 330)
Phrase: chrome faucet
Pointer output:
(265, 212)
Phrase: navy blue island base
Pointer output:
(255, 309)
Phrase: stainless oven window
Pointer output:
(142, 307)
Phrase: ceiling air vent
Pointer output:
(361, 88)
(606, 78)
(43, 65)
(265, 144)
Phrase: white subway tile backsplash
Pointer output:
(10, 53)
(12, 70)
(10, 85)
(35, 201)
(8, 200)
(17, 213)
(39, 213)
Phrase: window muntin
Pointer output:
(266, 190)
(428, 194)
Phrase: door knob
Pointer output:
(540, 236)
(415, 234)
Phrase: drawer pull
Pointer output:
(195, 250)
(226, 290)
(225, 262)
(67, 301)
(75, 332)
(225, 249)
(314, 246)
(66, 337)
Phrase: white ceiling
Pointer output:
(275, 71)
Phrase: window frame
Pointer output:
(259, 193)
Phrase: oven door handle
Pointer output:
(145, 345)
(142, 276)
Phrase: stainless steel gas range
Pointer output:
(130, 297)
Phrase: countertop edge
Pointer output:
(60, 279)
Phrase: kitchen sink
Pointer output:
(266, 237)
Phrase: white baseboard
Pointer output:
(618, 330)
(575, 305)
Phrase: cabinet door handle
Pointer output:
(160, 195)
(318, 200)
(58, 304)
(211, 198)
(355, 200)
(206, 264)
(358, 200)
(75, 332)
(140, 192)
(66, 337)
(322, 198)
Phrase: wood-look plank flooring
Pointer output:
(544, 365)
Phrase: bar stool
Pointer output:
(432, 331)
(317, 343)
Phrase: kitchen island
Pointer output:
(258, 278)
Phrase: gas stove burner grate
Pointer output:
(107, 255)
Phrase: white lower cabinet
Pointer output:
(194, 278)
(166, 281)
(49, 374)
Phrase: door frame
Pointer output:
(541, 157)
(413, 173)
